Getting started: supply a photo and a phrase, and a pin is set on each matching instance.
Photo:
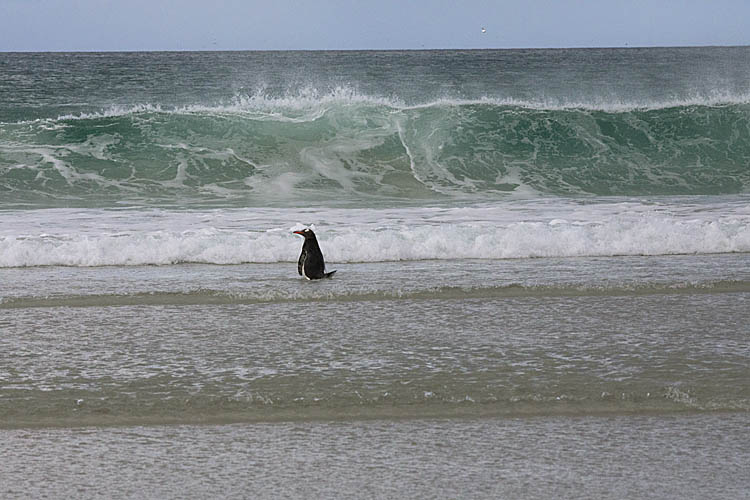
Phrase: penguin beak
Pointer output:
(300, 233)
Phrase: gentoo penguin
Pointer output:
(311, 264)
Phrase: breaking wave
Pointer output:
(346, 146)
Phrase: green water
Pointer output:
(371, 127)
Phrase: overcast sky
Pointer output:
(91, 25)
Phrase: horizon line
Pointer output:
(420, 49)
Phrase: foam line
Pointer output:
(652, 235)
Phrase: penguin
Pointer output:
(311, 264)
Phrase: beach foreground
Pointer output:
(657, 456)
(517, 378)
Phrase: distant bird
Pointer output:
(311, 264)
(484, 30)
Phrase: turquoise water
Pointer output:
(371, 127)
(538, 252)
(367, 151)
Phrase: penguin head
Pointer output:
(306, 233)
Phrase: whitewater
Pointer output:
(125, 237)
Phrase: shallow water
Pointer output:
(677, 456)
(194, 343)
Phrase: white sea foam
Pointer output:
(513, 230)
(308, 104)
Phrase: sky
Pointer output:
(135, 25)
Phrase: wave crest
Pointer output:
(311, 98)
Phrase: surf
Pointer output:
(344, 145)
(537, 228)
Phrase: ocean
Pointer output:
(542, 286)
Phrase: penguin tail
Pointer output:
(328, 275)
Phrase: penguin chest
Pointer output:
(311, 264)
(304, 270)
(304, 262)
